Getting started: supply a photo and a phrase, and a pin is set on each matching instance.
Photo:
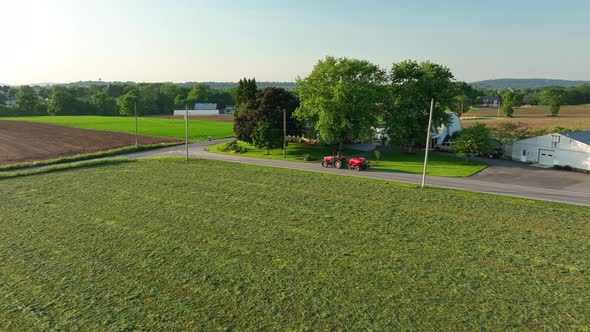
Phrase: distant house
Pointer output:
(491, 101)
(567, 149)
(201, 109)
(439, 134)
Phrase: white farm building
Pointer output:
(200, 109)
(569, 149)
(437, 135)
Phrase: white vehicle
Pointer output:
(444, 146)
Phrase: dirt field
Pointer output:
(29, 141)
(571, 117)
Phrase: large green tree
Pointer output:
(128, 102)
(104, 104)
(267, 108)
(509, 101)
(26, 100)
(341, 97)
(553, 97)
(412, 87)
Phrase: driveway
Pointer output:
(501, 177)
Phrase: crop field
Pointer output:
(571, 117)
(26, 141)
(438, 164)
(199, 130)
(203, 245)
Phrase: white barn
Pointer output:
(571, 149)
(200, 109)
(438, 135)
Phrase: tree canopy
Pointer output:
(474, 141)
(267, 109)
(553, 97)
(341, 97)
(412, 86)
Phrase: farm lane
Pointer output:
(484, 182)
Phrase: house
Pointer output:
(567, 149)
(491, 101)
(201, 109)
(438, 135)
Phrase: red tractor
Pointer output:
(339, 161)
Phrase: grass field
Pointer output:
(438, 165)
(204, 245)
(199, 130)
(572, 117)
(295, 151)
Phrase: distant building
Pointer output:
(567, 149)
(201, 109)
(491, 101)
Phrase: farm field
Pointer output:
(438, 164)
(26, 141)
(571, 117)
(199, 130)
(208, 245)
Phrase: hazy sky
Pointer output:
(222, 40)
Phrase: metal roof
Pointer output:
(581, 136)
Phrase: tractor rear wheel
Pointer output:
(324, 164)
(338, 164)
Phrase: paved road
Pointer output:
(502, 177)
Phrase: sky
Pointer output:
(280, 40)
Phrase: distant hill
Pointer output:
(525, 83)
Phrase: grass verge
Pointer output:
(205, 245)
(295, 151)
(438, 164)
(57, 168)
(80, 157)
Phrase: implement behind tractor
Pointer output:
(340, 161)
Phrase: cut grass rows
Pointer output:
(204, 245)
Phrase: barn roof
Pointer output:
(581, 136)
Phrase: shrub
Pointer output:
(377, 154)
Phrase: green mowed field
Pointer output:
(295, 151)
(204, 245)
(199, 130)
(438, 164)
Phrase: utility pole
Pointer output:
(284, 134)
(499, 103)
(186, 132)
(136, 131)
(427, 143)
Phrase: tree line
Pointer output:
(112, 99)
(343, 99)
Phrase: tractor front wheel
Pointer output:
(357, 168)
(324, 164)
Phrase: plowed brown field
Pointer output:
(29, 141)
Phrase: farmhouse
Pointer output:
(490, 101)
(200, 109)
(568, 149)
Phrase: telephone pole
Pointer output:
(136, 131)
(427, 143)
(186, 132)
(284, 134)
